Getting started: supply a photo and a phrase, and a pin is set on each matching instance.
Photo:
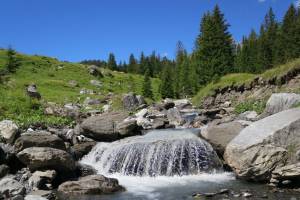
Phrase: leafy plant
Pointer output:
(250, 105)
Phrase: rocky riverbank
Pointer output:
(260, 148)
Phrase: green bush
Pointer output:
(250, 105)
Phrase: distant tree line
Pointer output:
(216, 54)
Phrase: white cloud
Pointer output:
(297, 3)
(261, 1)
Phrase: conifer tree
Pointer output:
(147, 88)
(214, 47)
(289, 34)
(132, 65)
(12, 61)
(111, 63)
(267, 45)
(166, 87)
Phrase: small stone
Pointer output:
(247, 194)
(286, 182)
(224, 191)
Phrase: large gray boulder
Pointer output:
(220, 135)
(265, 145)
(11, 187)
(37, 158)
(280, 102)
(39, 140)
(103, 127)
(8, 131)
(91, 185)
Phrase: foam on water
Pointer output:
(158, 153)
(151, 187)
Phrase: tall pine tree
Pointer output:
(147, 88)
(214, 47)
(111, 63)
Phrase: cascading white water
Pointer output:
(158, 153)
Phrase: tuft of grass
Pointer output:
(282, 70)
(250, 105)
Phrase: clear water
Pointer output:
(183, 188)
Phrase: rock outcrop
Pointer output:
(91, 185)
(280, 102)
(132, 101)
(8, 131)
(265, 145)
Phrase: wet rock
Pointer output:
(41, 195)
(103, 127)
(128, 128)
(11, 187)
(247, 195)
(85, 170)
(8, 131)
(265, 145)
(83, 148)
(39, 140)
(91, 185)
(280, 102)
(37, 158)
(4, 169)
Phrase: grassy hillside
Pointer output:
(52, 79)
(276, 75)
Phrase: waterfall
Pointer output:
(158, 153)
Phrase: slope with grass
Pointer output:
(52, 79)
(277, 78)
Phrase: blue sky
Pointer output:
(74, 30)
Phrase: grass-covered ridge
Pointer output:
(52, 79)
(276, 75)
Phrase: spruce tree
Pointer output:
(12, 61)
(166, 87)
(132, 65)
(214, 47)
(111, 63)
(267, 45)
(289, 34)
(147, 88)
